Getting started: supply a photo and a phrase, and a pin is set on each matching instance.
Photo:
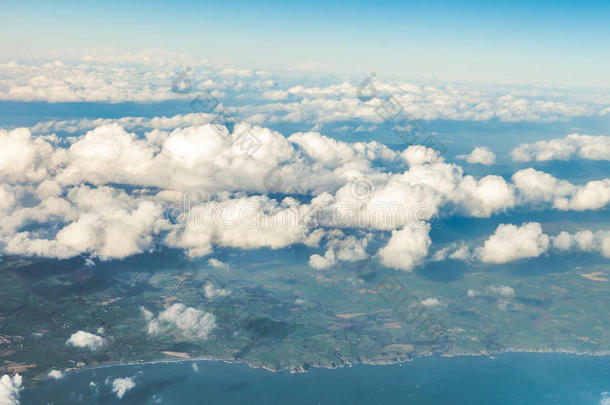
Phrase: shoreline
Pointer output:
(297, 369)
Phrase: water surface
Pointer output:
(515, 378)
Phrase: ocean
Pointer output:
(512, 378)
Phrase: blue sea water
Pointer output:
(515, 378)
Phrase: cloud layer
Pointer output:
(512, 242)
(573, 146)
(111, 193)
(157, 75)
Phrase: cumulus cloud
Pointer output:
(120, 386)
(189, 321)
(86, 340)
(513, 242)
(406, 248)
(211, 292)
(430, 302)
(573, 146)
(341, 248)
(147, 314)
(584, 240)
(56, 374)
(25, 158)
(104, 221)
(10, 389)
(418, 154)
(217, 264)
(481, 154)
(247, 223)
(111, 193)
(593, 195)
(322, 262)
(502, 290)
(486, 196)
(455, 251)
(510, 242)
(537, 187)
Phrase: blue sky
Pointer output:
(556, 43)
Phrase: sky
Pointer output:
(546, 43)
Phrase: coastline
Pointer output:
(295, 369)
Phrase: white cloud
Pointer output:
(455, 251)
(481, 154)
(191, 189)
(147, 314)
(103, 221)
(539, 187)
(350, 248)
(189, 321)
(510, 242)
(247, 223)
(217, 264)
(120, 386)
(341, 248)
(211, 292)
(503, 291)
(56, 374)
(484, 197)
(145, 76)
(322, 262)
(148, 76)
(573, 146)
(593, 195)
(10, 389)
(25, 158)
(406, 248)
(585, 241)
(158, 126)
(430, 302)
(86, 340)
(417, 155)
(337, 103)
